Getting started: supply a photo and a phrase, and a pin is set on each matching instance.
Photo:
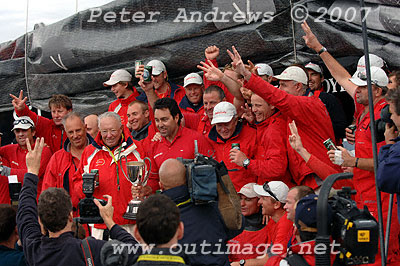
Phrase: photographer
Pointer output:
(158, 224)
(55, 214)
(389, 155)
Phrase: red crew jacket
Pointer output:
(54, 136)
(60, 163)
(246, 137)
(313, 123)
(14, 156)
(120, 106)
(181, 146)
(364, 182)
(271, 162)
(112, 180)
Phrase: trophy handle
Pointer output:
(123, 171)
(144, 181)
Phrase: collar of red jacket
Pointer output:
(214, 136)
(130, 99)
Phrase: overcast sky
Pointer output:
(13, 14)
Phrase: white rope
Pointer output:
(26, 52)
(293, 34)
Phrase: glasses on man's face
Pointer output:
(269, 191)
(111, 131)
(22, 121)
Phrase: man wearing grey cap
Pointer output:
(13, 156)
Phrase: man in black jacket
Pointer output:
(55, 215)
(206, 234)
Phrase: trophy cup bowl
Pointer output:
(137, 174)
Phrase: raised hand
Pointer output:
(238, 64)
(210, 71)
(106, 212)
(251, 67)
(294, 138)
(19, 102)
(247, 113)
(310, 39)
(33, 156)
(211, 52)
(146, 86)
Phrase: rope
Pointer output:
(293, 34)
(26, 51)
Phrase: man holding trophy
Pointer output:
(117, 159)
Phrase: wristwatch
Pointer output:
(323, 49)
(246, 163)
(242, 261)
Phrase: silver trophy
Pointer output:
(137, 174)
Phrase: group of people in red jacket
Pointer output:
(271, 139)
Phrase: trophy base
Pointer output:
(131, 210)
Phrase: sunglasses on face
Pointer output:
(269, 191)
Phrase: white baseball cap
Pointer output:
(314, 67)
(248, 190)
(374, 60)
(264, 69)
(223, 113)
(192, 78)
(294, 73)
(158, 67)
(117, 76)
(378, 77)
(274, 189)
(23, 122)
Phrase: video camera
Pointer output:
(381, 123)
(355, 230)
(88, 211)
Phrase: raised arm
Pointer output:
(337, 71)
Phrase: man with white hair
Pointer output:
(229, 136)
(106, 155)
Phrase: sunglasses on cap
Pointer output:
(363, 77)
(22, 121)
(269, 191)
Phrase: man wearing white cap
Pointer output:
(191, 104)
(272, 197)
(162, 87)
(227, 132)
(333, 106)
(265, 72)
(121, 85)
(13, 156)
(255, 231)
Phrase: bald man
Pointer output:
(92, 126)
(203, 223)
